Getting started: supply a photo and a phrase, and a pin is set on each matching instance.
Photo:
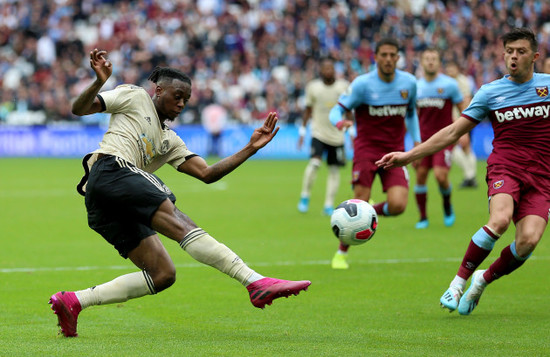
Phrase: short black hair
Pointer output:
(432, 49)
(521, 33)
(387, 41)
(160, 73)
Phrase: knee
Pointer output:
(396, 208)
(315, 162)
(164, 279)
(442, 180)
(527, 242)
(500, 223)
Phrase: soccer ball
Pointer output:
(354, 222)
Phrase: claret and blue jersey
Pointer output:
(520, 116)
(383, 112)
(435, 101)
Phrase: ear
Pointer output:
(158, 90)
(536, 57)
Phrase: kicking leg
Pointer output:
(173, 223)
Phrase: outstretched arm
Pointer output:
(198, 168)
(87, 102)
(435, 143)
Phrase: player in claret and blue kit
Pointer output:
(384, 103)
(437, 95)
(518, 169)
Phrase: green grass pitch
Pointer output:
(386, 304)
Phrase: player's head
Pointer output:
(172, 91)
(386, 55)
(520, 53)
(452, 69)
(326, 69)
(430, 61)
(546, 65)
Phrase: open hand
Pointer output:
(265, 133)
(101, 66)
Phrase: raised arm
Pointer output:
(435, 143)
(87, 102)
(198, 168)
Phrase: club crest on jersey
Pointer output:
(498, 184)
(440, 90)
(542, 91)
(404, 93)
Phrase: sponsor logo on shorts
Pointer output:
(355, 176)
(542, 91)
(498, 184)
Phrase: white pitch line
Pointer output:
(251, 264)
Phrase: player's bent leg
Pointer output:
(157, 274)
(151, 257)
(529, 231)
(397, 199)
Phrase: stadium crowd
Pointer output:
(252, 56)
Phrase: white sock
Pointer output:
(470, 165)
(309, 176)
(341, 252)
(459, 158)
(120, 289)
(458, 282)
(333, 183)
(205, 249)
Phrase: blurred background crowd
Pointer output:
(251, 56)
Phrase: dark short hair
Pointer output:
(386, 41)
(521, 33)
(432, 49)
(327, 58)
(160, 73)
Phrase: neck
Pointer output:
(386, 77)
(521, 79)
(329, 81)
(430, 76)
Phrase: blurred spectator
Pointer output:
(546, 65)
(254, 56)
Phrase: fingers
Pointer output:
(385, 162)
(271, 122)
(98, 57)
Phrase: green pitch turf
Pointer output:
(386, 304)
